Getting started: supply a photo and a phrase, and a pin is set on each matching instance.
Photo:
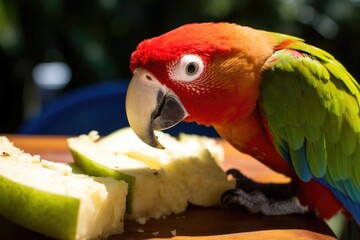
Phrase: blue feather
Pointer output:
(283, 149)
(300, 163)
(298, 158)
(352, 206)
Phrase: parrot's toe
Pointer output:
(271, 190)
(268, 199)
(257, 202)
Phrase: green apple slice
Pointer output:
(194, 160)
(48, 198)
(152, 193)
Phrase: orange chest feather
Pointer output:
(249, 136)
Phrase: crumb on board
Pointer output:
(140, 230)
(141, 220)
(173, 233)
(155, 234)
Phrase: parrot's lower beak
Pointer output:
(151, 106)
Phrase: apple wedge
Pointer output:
(48, 198)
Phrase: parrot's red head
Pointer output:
(208, 73)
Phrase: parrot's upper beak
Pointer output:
(151, 106)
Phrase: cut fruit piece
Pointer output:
(152, 193)
(48, 198)
(186, 145)
(194, 160)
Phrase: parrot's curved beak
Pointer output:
(151, 106)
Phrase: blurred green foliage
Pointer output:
(96, 37)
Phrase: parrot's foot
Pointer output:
(268, 199)
(257, 202)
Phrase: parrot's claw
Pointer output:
(257, 202)
(261, 198)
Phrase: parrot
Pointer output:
(290, 105)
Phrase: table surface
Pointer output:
(196, 222)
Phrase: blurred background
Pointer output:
(48, 48)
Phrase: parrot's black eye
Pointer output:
(191, 68)
(187, 69)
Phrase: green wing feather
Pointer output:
(311, 104)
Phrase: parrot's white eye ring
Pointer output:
(187, 69)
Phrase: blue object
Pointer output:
(99, 107)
